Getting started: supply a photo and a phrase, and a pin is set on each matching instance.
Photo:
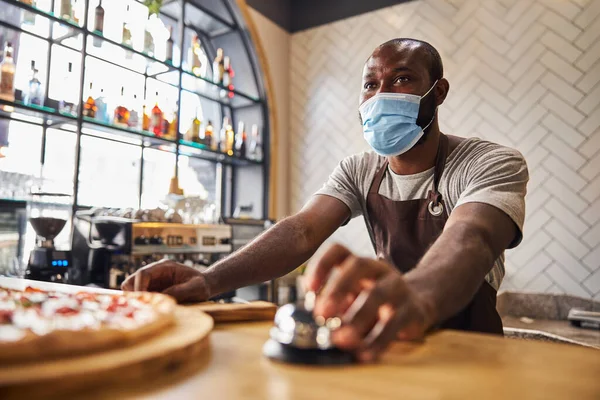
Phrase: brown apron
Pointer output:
(404, 230)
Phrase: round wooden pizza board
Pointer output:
(156, 358)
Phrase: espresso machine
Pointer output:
(107, 249)
(48, 214)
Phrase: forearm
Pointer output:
(453, 269)
(275, 253)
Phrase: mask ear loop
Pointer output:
(431, 88)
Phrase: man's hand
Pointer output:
(185, 284)
(371, 297)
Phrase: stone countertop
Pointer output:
(563, 329)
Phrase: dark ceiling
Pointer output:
(297, 15)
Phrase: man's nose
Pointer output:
(385, 87)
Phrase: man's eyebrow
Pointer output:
(403, 69)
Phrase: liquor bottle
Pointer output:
(126, 31)
(173, 125)
(134, 117)
(67, 104)
(66, 10)
(101, 108)
(209, 137)
(226, 70)
(7, 74)
(240, 141)
(193, 133)
(195, 56)
(145, 119)
(148, 40)
(223, 135)
(255, 151)
(157, 119)
(218, 67)
(28, 16)
(166, 121)
(89, 107)
(34, 95)
(169, 47)
(98, 23)
(121, 111)
(229, 140)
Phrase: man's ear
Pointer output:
(441, 91)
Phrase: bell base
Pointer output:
(289, 354)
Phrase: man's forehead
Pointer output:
(407, 55)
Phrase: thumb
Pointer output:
(188, 291)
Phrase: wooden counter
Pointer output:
(448, 365)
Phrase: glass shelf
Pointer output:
(204, 87)
(93, 127)
(197, 150)
(33, 114)
(129, 58)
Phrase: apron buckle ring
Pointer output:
(435, 209)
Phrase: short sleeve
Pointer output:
(499, 178)
(341, 185)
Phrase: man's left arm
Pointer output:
(451, 272)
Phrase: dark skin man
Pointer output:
(376, 302)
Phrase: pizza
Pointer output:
(37, 324)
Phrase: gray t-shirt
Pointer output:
(476, 171)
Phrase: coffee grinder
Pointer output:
(48, 214)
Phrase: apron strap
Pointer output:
(440, 162)
(374, 189)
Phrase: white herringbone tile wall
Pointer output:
(524, 73)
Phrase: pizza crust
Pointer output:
(63, 343)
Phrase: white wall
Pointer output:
(276, 45)
(524, 73)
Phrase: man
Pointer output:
(440, 211)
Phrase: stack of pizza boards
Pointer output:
(54, 343)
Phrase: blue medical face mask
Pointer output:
(390, 121)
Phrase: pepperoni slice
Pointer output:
(6, 316)
(66, 311)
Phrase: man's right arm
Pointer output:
(281, 249)
(276, 252)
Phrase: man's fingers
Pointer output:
(352, 273)
(319, 269)
(141, 280)
(186, 292)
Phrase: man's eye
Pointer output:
(402, 79)
(369, 85)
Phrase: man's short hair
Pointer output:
(436, 68)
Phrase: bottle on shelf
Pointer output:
(7, 74)
(156, 121)
(127, 31)
(34, 94)
(196, 56)
(134, 117)
(193, 133)
(168, 119)
(89, 107)
(173, 124)
(101, 108)
(98, 23)
(219, 67)
(66, 10)
(227, 78)
(222, 139)
(28, 16)
(148, 38)
(121, 117)
(240, 141)
(209, 136)
(169, 47)
(255, 150)
(145, 119)
(68, 102)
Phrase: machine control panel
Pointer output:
(156, 237)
